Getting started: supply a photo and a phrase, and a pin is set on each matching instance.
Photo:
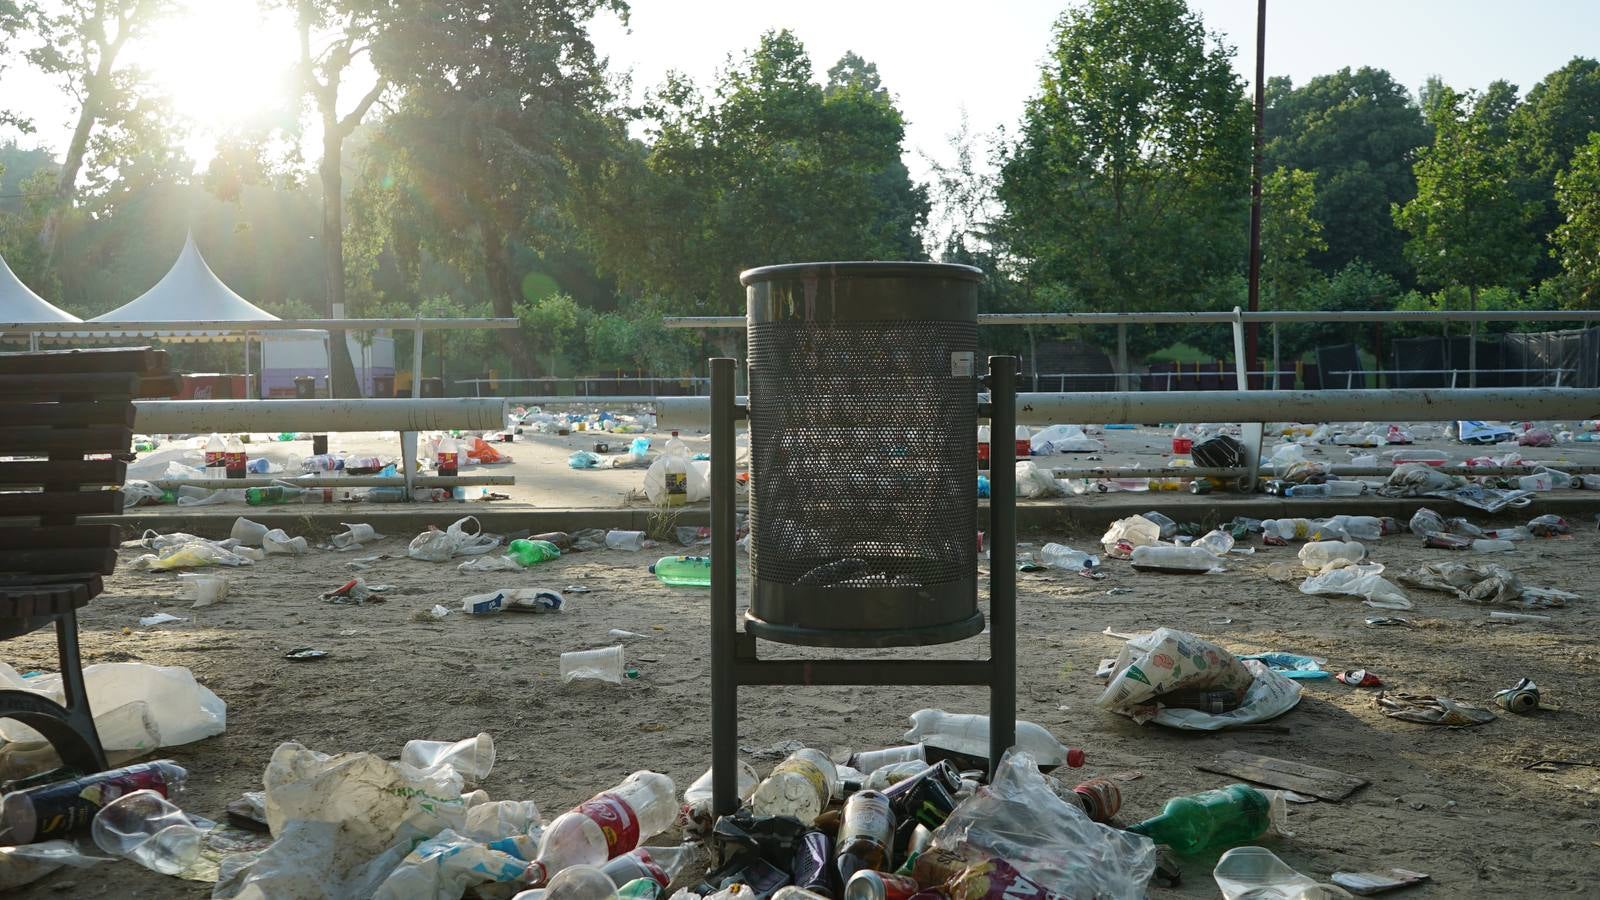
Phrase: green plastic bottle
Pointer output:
(529, 553)
(1210, 820)
(265, 496)
(683, 571)
(639, 889)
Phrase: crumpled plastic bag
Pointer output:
(1416, 480)
(191, 555)
(697, 482)
(434, 545)
(1425, 522)
(490, 564)
(1017, 818)
(485, 453)
(342, 824)
(1134, 531)
(1305, 471)
(1269, 695)
(1034, 482)
(136, 706)
(1363, 580)
(30, 862)
(135, 492)
(1429, 710)
(1168, 660)
(1064, 439)
(1474, 581)
(1475, 432)
(444, 866)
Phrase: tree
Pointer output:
(1356, 131)
(80, 42)
(1128, 187)
(770, 168)
(1289, 233)
(506, 114)
(348, 29)
(1467, 223)
(1550, 124)
(1577, 239)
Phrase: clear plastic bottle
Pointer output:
(583, 882)
(1308, 490)
(1024, 442)
(52, 810)
(1346, 488)
(216, 454)
(1173, 559)
(675, 469)
(1060, 556)
(1483, 545)
(697, 799)
(800, 786)
(983, 448)
(1216, 542)
(235, 461)
(606, 825)
(445, 459)
(625, 540)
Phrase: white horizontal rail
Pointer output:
(334, 481)
(417, 414)
(1134, 407)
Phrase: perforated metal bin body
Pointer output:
(862, 453)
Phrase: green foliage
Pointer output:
(1577, 239)
(1289, 233)
(771, 167)
(1466, 222)
(1356, 131)
(1129, 182)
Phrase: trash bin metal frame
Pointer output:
(734, 660)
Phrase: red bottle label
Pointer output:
(616, 820)
(214, 459)
(447, 463)
(1024, 448)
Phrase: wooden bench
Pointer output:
(66, 425)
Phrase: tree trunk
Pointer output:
(504, 293)
(341, 371)
(67, 179)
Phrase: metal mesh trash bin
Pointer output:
(862, 404)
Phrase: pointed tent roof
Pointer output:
(189, 292)
(19, 304)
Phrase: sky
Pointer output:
(939, 58)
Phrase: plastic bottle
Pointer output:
(800, 786)
(1060, 556)
(1024, 442)
(1483, 545)
(1162, 557)
(1100, 798)
(983, 448)
(606, 825)
(636, 863)
(872, 760)
(1308, 490)
(624, 540)
(1317, 554)
(1212, 820)
(446, 462)
(683, 571)
(385, 495)
(235, 461)
(530, 553)
(1346, 488)
(1559, 480)
(52, 810)
(1216, 542)
(675, 456)
(216, 452)
(866, 834)
(1362, 528)
(697, 798)
(582, 882)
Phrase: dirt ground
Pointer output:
(1462, 805)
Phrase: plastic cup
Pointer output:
(604, 664)
(354, 535)
(247, 532)
(148, 829)
(204, 590)
(625, 540)
(276, 541)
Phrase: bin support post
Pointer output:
(724, 593)
(1002, 557)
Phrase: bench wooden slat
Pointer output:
(60, 536)
(157, 387)
(76, 441)
(57, 560)
(81, 413)
(97, 385)
(103, 359)
(78, 503)
(84, 472)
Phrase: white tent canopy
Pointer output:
(19, 304)
(189, 292)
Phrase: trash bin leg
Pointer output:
(1002, 557)
(724, 594)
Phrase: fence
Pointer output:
(578, 388)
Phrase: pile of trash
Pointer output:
(533, 418)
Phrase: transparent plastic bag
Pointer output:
(445, 865)
(1034, 482)
(1474, 581)
(192, 555)
(31, 862)
(434, 545)
(1136, 531)
(1018, 818)
(1362, 580)
(1256, 873)
(137, 706)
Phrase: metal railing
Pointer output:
(701, 385)
(1350, 374)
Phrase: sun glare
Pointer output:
(224, 64)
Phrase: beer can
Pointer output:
(1522, 697)
(871, 885)
(1200, 486)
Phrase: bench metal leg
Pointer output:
(69, 727)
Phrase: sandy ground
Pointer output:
(544, 480)
(1461, 805)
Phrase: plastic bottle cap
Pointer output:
(1074, 757)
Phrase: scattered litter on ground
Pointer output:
(1325, 784)
(304, 654)
(1522, 697)
(1429, 710)
(160, 619)
(1366, 884)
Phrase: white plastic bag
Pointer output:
(1363, 580)
(434, 545)
(343, 824)
(1270, 694)
(1137, 531)
(190, 555)
(1018, 819)
(135, 704)
(1164, 660)
(277, 543)
(444, 866)
(1034, 482)
(1064, 439)
(134, 491)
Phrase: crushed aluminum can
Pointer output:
(1522, 697)
(1359, 678)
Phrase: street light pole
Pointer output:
(1254, 302)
